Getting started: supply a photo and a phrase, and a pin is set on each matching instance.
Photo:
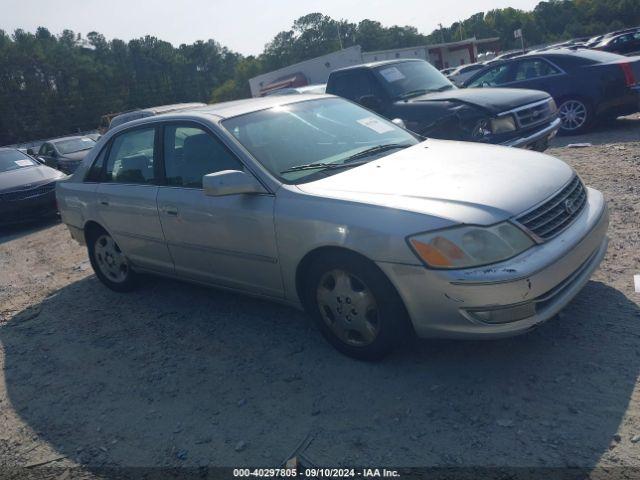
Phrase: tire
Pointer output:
(109, 263)
(576, 115)
(355, 306)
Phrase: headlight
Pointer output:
(503, 124)
(470, 246)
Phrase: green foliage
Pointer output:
(52, 85)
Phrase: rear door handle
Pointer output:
(170, 210)
(104, 202)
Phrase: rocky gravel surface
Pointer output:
(179, 375)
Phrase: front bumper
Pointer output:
(29, 209)
(544, 134)
(517, 294)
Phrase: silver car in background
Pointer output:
(319, 203)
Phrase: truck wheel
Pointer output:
(355, 306)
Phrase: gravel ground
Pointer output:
(178, 375)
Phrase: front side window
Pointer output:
(492, 77)
(302, 141)
(14, 159)
(354, 85)
(529, 69)
(190, 153)
(131, 158)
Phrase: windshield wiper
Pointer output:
(414, 93)
(347, 162)
(373, 150)
(422, 91)
(321, 165)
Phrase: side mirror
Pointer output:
(31, 152)
(399, 122)
(371, 102)
(230, 182)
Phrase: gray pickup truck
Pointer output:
(413, 93)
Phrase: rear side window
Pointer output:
(191, 153)
(95, 171)
(132, 157)
(534, 68)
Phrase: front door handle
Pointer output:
(104, 201)
(170, 210)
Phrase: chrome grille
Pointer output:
(534, 114)
(553, 216)
(18, 195)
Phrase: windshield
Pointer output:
(290, 140)
(14, 159)
(75, 145)
(404, 79)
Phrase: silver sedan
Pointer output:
(318, 203)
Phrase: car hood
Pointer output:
(28, 177)
(77, 156)
(460, 181)
(494, 100)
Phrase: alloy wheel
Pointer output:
(573, 115)
(348, 307)
(112, 262)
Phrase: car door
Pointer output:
(126, 198)
(48, 155)
(227, 240)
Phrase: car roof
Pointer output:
(235, 108)
(62, 139)
(379, 63)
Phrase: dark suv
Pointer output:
(414, 93)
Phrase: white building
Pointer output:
(317, 70)
(313, 71)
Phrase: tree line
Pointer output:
(59, 84)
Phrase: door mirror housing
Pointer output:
(371, 102)
(230, 182)
(399, 122)
(31, 152)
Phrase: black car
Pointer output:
(627, 43)
(414, 93)
(586, 84)
(27, 188)
(64, 154)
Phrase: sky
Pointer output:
(244, 26)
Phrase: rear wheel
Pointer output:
(109, 262)
(576, 116)
(355, 306)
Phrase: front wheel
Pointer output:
(109, 262)
(355, 306)
(576, 116)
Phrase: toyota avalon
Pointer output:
(319, 203)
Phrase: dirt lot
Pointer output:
(177, 375)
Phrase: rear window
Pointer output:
(595, 56)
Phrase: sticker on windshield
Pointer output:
(376, 125)
(392, 74)
(23, 163)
